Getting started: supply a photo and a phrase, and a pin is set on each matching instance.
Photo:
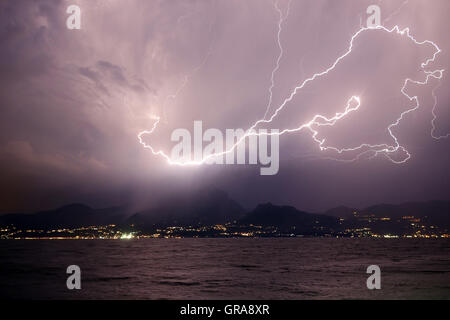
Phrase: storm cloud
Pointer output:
(74, 101)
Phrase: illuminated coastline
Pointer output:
(229, 230)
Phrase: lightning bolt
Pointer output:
(384, 148)
(320, 120)
(280, 55)
(174, 96)
(433, 112)
(433, 127)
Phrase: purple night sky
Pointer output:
(72, 102)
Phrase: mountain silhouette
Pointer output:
(432, 212)
(70, 216)
(289, 219)
(340, 212)
(211, 206)
(206, 207)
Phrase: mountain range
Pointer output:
(216, 207)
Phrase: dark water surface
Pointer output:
(295, 268)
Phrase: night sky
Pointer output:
(72, 102)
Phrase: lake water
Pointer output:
(277, 268)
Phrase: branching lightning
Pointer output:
(319, 120)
